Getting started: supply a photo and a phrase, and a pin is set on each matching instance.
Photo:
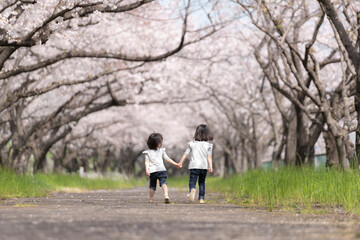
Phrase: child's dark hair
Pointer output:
(203, 133)
(154, 140)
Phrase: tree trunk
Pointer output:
(227, 164)
(242, 156)
(357, 109)
(332, 158)
(84, 163)
(350, 151)
(291, 141)
(58, 168)
(96, 161)
(17, 163)
(314, 134)
(40, 160)
(302, 132)
(71, 163)
(335, 130)
(257, 161)
(105, 161)
(342, 153)
(276, 155)
(58, 156)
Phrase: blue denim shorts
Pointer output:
(155, 176)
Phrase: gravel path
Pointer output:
(126, 214)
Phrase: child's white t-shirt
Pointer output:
(156, 159)
(200, 150)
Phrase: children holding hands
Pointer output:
(200, 163)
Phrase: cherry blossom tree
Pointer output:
(89, 80)
(79, 57)
(295, 62)
(344, 19)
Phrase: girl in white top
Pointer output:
(154, 165)
(200, 160)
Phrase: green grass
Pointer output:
(305, 190)
(300, 189)
(13, 185)
(57, 182)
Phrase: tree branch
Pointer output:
(84, 54)
(345, 39)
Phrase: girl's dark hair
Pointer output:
(203, 133)
(154, 140)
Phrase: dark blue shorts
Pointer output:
(155, 176)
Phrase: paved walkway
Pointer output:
(125, 214)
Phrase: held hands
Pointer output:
(179, 166)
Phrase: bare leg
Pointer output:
(165, 189)
(152, 192)
(166, 196)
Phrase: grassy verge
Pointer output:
(298, 189)
(13, 185)
(303, 190)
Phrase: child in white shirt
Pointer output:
(154, 165)
(200, 161)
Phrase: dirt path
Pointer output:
(125, 214)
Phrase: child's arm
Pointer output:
(147, 167)
(169, 160)
(172, 162)
(210, 164)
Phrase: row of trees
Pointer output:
(301, 76)
(86, 81)
(71, 61)
(309, 55)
